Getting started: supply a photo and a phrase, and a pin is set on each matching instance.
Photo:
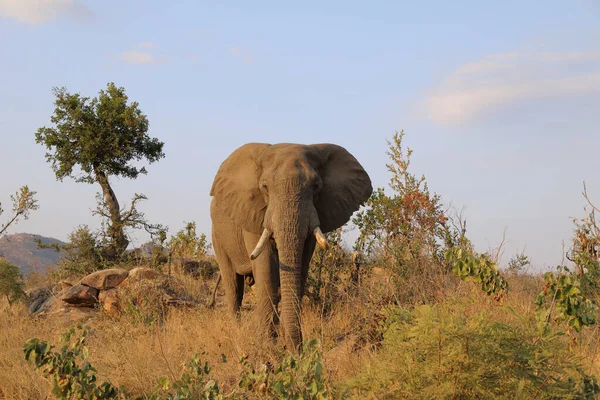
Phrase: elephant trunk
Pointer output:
(290, 277)
(291, 223)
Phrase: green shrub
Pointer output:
(187, 244)
(562, 300)
(448, 352)
(11, 281)
(194, 383)
(80, 256)
(295, 378)
(479, 269)
(329, 274)
(407, 231)
(69, 380)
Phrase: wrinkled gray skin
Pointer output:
(289, 190)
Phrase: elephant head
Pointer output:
(290, 192)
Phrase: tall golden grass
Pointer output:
(136, 355)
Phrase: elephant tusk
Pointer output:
(261, 244)
(321, 238)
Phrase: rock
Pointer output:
(61, 287)
(196, 268)
(105, 279)
(69, 315)
(110, 301)
(50, 305)
(34, 295)
(36, 304)
(190, 267)
(140, 273)
(80, 295)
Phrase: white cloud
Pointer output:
(38, 11)
(137, 57)
(143, 55)
(501, 79)
(145, 45)
(245, 56)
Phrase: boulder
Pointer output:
(105, 279)
(196, 268)
(80, 295)
(61, 287)
(50, 305)
(36, 304)
(140, 273)
(109, 299)
(34, 295)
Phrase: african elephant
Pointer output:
(271, 205)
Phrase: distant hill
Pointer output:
(21, 249)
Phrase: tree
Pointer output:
(407, 231)
(411, 217)
(23, 203)
(187, 244)
(11, 281)
(103, 137)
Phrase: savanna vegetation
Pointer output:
(410, 310)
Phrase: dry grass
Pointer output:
(136, 355)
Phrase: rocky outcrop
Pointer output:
(204, 268)
(104, 291)
(80, 295)
(141, 273)
(105, 279)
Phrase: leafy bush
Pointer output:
(407, 231)
(11, 281)
(187, 244)
(562, 300)
(194, 383)
(330, 273)
(517, 264)
(69, 380)
(296, 378)
(81, 255)
(585, 251)
(451, 351)
(479, 269)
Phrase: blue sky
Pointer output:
(498, 100)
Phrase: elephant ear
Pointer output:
(235, 188)
(346, 186)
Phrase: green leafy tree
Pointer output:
(329, 272)
(11, 281)
(103, 136)
(81, 255)
(585, 249)
(562, 300)
(411, 214)
(187, 244)
(24, 202)
(407, 231)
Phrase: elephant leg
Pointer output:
(233, 284)
(265, 270)
(239, 290)
(309, 248)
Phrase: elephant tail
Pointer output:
(212, 301)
